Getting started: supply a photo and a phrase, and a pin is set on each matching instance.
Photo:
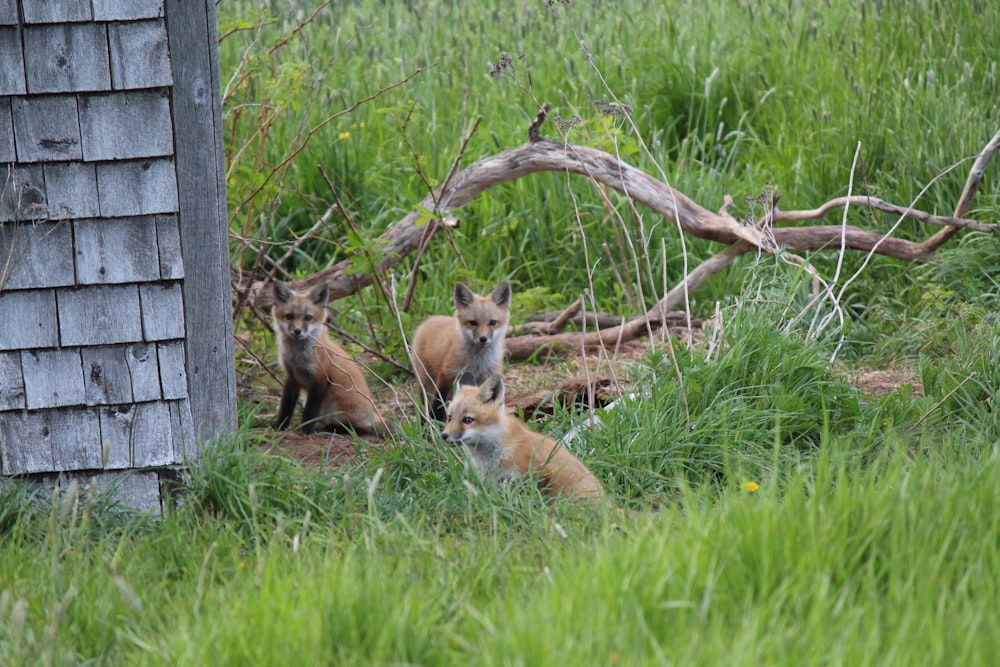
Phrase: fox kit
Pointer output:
(471, 341)
(502, 447)
(337, 394)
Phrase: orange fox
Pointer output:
(502, 447)
(445, 347)
(337, 394)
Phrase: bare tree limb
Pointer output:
(541, 155)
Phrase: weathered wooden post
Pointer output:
(116, 354)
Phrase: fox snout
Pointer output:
(450, 439)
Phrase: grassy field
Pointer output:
(774, 513)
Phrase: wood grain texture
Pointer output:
(187, 447)
(28, 320)
(144, 371)
(162, 311)
(11, 381)
(22, 197)
(74, 436)
(197, 111)
(99, 315)
(24, 443)
(136, 490)
(125, 125)
(71, 190)
(12, 80)
(66, 57)
(137, 187)
(116, 428)
(139, 55)
(127, 10)
(152, 435)
(53, 378)
(57, 12)
(6, 127)
(8, 12)
(168, 241)
(46, 128)
(106, 375)
(173, 373)
(116, 251)
(36, 255)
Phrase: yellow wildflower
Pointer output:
(749, 487)
(345, 135)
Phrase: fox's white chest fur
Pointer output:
(483, 359)
(298, 356)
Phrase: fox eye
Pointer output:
(308, 318)
(467, 420)
(289, 317)
(493, 323)
(473, 323)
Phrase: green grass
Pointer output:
(872, 538)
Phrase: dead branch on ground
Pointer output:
(739, 237)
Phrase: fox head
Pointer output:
(475, 417)
(299, 314)
(482, 319)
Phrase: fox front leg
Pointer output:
(314, 401)
(289, 397)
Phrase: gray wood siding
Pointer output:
(71, 190)
(186, 446)
(106, 376)
(74, 438)
(52, 378)
(168, 240)
(197, 114)
(22, 196)
(137, 187)
(36, 255)
(162, 311)
(152, 435)
(27, 320)
(173, 375)
(12, 81)
(46, 128)
(38, 11)
(99, 315)
(11, 381)
(125, 10)
(143, 371)
(116, 251)
(7, 153)
(66, 57)
(8, 12)
(116, 429)
(125, 125)
(111, 192)
(139, 55)
(24, 445)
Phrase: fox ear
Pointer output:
(282, 293)
(501, 295)
(491, 391)
(320, 294)
(463, 296)
(467, 379)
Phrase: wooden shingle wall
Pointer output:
(115, 333)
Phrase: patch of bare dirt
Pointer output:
(886, 380)
(532, 390)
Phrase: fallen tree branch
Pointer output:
(541, 155)
(522, 347)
